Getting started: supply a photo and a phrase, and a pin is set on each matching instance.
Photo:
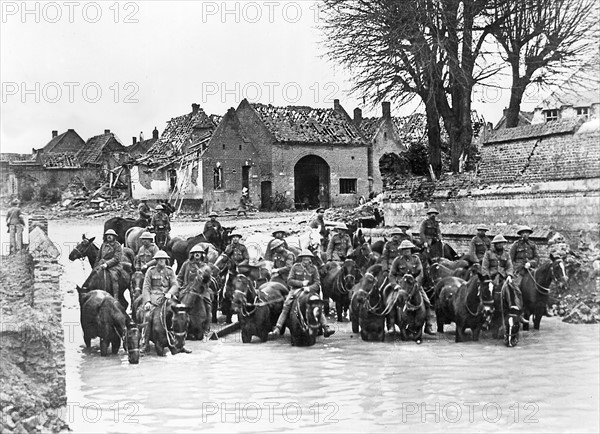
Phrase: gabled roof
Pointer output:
(95, 146)
(533, 131)
(525, 118)
(140, 147)
(302, 124)
(69, 141)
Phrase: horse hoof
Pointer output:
(418, 341)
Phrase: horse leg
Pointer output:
(87, 339)
(103, 347)
(537, 316)
(526, 316)
(339, 308)
(116, 344)
(460, 332)
(476, 332)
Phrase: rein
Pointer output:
(544, 290)
(478, 305)
(171, 335)
(408, 306)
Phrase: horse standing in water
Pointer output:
(337, 284)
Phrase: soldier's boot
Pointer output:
(326, 329)
(146, 334)
(287, 305)
(428, 313)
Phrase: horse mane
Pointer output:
(375, 269)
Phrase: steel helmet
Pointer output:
(341, 226)
(276, 244)
(320, 209)
(278, 231)
(213, 214)
(499, 239)
(110, 232)
(432, 211)
(198, 249)
(161, 254)
(482, 228)
(147, 235)
(159, 206)
(235, 234)
(523, 229)
(403, 224)
(305, 252)
(406, 245)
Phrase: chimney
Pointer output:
(336, 104)
(106, 131)
(386, 110)
(155, 134)
(134, 140)
(54, 133)
(195, 108)
(357, 116)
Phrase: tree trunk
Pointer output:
(434, 137)
(516, 97)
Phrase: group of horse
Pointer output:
(359, 287)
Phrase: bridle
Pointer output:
(83, 254)
(538, 287)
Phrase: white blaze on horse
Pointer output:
(257, 243)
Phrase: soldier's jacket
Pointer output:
(144, 210)
(406, 265)
(339, 247)
(522, 252)
(189, 271)
(391, 250)
(238, 253)
(283, 261)
(109, 254)
(269, 253)
(478, 247)
(496, 263)
(212, 225)
(145, 255)
(299, 273)
(161, 219)
(157, 283)
(14, 217)
(430, 231)
(319, 223)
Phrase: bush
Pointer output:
(50, 194)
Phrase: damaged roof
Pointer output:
(59, 160)
(95, 146)
(13, 156)
(302, 124)
(69, 141)
(534, 131)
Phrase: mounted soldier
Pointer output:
(15, 223)
(236, 251)
(160, 281)
(340, 245)
(144, 210)
(480, 244)
(408, 263)
(190, 269)
(498, 266)
(278, 235)
(283, 261)
(391, 249)
(144, 258)
(213, 225)
(318, 222)
(523, 254)
(431, 235)
(162, 226)
(303, 276)
(109, 258)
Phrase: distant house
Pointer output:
(104, 151)
(140, 147)
(525, 119)
(171, 167)
(578, 97)
(7, 183)
(291, 154)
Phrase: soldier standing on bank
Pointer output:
(15, 223)
(431, 235)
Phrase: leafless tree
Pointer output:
(541, 39)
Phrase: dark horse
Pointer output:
(121, 225)
(198, 296)
(473, 306)
(87, 249)
(413, 314)
(535, 288)
(179, 248)
(99, 278)
(303, 320)
(257, 310)
(136, 285)
(364, 256)
(167, 326)
(224, 296)
(511, 309)
(446, 290)
(102, 316)
(337, 284)
(374, 277)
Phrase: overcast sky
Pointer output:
(131, 66)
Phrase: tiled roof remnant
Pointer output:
(302, 124)
(13, 156)
(413, 128)
(533, 131)
(59, 160)
(91, 153)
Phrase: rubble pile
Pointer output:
(366, 213)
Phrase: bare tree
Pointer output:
(541, 39)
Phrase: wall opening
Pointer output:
(311, 182)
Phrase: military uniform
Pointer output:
(238, 253)
(145, 255)
(110, 253)
(319, 223)
(497, 265)
(283, 262)
(212, 225)
(431, 234)
(157, 283)
(189, 270)
(391, 250)
(339, 247)
(269, 253)
(162, 227)
(478, 247)
(15, 223)
(144, 210)
(521, 252)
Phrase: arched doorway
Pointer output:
(311, 182)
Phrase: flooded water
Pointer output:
(550, 382)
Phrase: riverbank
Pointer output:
(32, 359)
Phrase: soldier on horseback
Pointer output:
(523, 254)
(340, 245)
(303, 276)
(213, 225)
(498, 266)
(283, 260)
(144, 210)
(144, 258)
(109, 258)
(189, 271)
(391, 249)
(278, 235)
(162, 226)
(431, 235)
(408, 263)
(480, 244)
(160, 281)
(236, 251)
(319, 223)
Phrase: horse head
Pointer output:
(244, 292)
(225, 237)
(179, 323)
(136, 284)
(374, 277)
(132, 342)
(350, 274)
(81, 250)
(558, 271)
(512, 316)
(485, 292)
(410, 286)
(311, 305)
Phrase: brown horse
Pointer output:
(374, 277)
(337, 284)
(473, 306)
(535, 288)
(167, 326)
(446, 289)
(198, 297)
(303, 320)
(364, 257)
(87, 249)
(413, 314)
(99, 278)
